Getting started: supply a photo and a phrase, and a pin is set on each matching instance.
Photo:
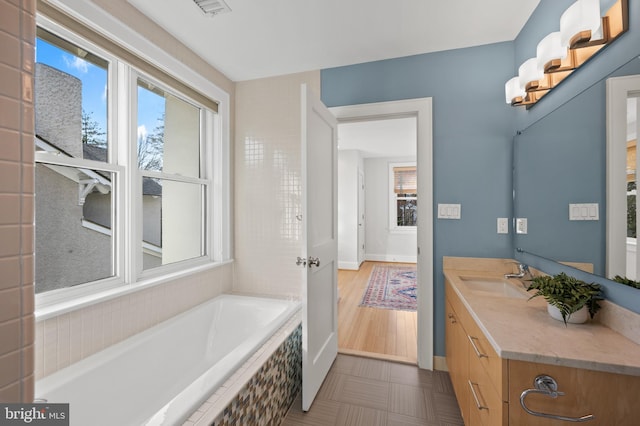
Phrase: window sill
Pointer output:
(406, 230)
(55, 309)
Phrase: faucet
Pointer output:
(522, 271)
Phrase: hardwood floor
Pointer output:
(372, 332)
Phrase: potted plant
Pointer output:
(627, 281)
(568, 295)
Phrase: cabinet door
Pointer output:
(611, 398)
(457, 352)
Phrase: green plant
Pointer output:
(567, 293)
(626, 281)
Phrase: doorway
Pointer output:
(420, 109)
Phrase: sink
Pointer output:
(494, 287)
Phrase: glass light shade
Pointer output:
(529, 71)
(512, 89)
(550, 48)
(583, 15)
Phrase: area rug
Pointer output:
(391, 287)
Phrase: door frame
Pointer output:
(421, 108)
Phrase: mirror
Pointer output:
(558, 161)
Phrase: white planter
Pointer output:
(575, 318)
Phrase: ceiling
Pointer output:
(262, 38)
(396, 137)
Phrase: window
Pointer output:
(124, 164)
(403, 212)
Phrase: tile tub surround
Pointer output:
(17, 35)
(262, 390)
(521, 329)
(65, 339)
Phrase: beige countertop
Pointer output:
(521, 329)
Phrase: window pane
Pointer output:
(407, 211)
(70, 99)
(168, 132)
(173, 224)
(73, 226)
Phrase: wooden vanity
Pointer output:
(497, 346)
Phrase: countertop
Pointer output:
(521, 329)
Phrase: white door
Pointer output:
(319, 213)
(361, 222)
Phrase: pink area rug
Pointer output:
(391, 287)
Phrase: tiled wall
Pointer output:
(267, 183)
(67, 338)
(17, 29)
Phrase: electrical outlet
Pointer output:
(521, 225)
(503, 225)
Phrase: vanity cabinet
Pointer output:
(488, 388)
(611, 398)
(477, 373)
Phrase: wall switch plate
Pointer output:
(449, 211)
(583, 211)
(503, 225)
(521, 225)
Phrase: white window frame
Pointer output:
(393, 199)
(127, 216)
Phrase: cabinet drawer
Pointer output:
(484, 400)
(495, 367)
(488, 359)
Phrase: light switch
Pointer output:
(584, 211)
(449, 211)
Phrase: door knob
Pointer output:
(314, 261)
(301, 261)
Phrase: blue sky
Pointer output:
(94, 87)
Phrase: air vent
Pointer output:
(212, 7)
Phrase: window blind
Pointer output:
(405, 180)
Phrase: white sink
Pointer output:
(494, 287)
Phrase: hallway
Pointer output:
(376, 333)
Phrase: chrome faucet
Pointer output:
(522, 271)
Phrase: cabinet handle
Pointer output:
(475, 396)
(547, 385)
(452, 318)
(475, 348)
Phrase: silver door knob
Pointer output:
(301, 261)
(314, 261)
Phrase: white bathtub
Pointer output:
(162, 375)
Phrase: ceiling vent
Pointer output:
(212, 7)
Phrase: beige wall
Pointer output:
(17, 29)
(267, 179)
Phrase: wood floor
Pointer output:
(372, 332)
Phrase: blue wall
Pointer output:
(577, 106)
(473, 130)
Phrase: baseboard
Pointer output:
(352, 266)
(391, 258)
(440, 363)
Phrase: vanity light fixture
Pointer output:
(583, 32)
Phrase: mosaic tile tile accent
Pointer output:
(265, 399)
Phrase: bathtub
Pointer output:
(162, 375)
